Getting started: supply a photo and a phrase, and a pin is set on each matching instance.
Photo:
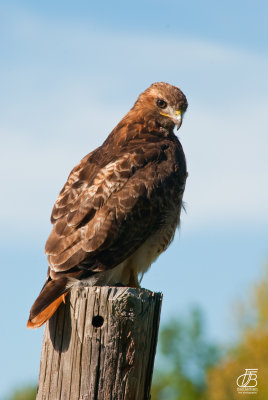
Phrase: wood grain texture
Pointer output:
(112, 360)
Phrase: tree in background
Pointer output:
(26, 393)
(194, 369)
(251, 351)
(185, 356)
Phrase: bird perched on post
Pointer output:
(119, 209)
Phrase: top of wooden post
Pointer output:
(101, 345)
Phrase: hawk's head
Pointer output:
(164, 103)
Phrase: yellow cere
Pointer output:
(177, 113)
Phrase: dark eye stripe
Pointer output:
(161, 103)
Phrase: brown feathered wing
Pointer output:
(111, 203)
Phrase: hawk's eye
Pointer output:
(161, 103)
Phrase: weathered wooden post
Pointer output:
(101, 345)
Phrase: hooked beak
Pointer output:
(176, 118)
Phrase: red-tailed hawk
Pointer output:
(119, 209)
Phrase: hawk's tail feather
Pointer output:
(48, 301)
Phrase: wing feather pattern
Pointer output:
(99, 201)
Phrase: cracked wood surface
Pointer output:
(100, 345)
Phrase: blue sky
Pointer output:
(69, 71)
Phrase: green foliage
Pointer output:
(26, 393)
(185, 357)
(250, 351)
(193, 369)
